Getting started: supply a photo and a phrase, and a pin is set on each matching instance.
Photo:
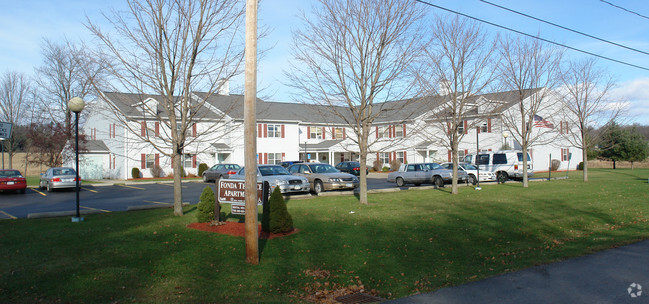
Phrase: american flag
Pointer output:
(540, 122)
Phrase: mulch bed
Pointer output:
(236, 229)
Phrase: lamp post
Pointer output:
(76, 105)
(477, 156)
(505, 135)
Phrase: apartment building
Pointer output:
(123, 135)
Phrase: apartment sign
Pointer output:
(234, 191)
(5, 130)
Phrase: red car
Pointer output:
(12, 180)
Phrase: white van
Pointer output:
(505, 164)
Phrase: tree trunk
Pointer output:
(363, 168)
(178, 192)
(26, 160)
(525, 178)
(454, 186)
(614, 165)
(585, 160)
(11, 153)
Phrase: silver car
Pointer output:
(324, 177)
(423, 173)
(58, 178)
(220, 171)
(485, 176)
(277, 176)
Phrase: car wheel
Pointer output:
(473, 180)
(502, 177)
(400, 182)
(205, 180)
(318, 187)
(49, 187)
(438, 182)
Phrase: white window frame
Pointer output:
(188, 158)
(398, 131)
(149, 161)
(316, 133)
(400, 157)
(274, 158)
(274, 130)
(384, 157)
(339, 133)
(383, 131)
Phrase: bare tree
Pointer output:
(585, 98)
(459, 66)
(14, 96)
(167, 50)
(68, 71)
(530, 70)
(352, 56)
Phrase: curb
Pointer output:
(61, 213)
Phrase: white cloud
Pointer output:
(636, 94)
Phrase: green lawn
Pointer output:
(403, 243)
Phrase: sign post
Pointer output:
(5, 133)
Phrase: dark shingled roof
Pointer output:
(95, 146)
(390, 112)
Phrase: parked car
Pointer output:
(58, 178)
(324, 177)
(351, 167)
(12, 180)
(219, 171)
(504, 164)
(472, 171)
(423, 173)
(287, 163)
(277, 176)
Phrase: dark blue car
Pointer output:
(351, 167)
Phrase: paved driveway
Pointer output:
(108, 197)
(93, 199)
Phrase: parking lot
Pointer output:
(111, 197)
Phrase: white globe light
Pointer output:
(76, 104)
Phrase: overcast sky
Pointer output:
(23, 25)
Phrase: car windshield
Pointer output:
(432, 166)
(324, 168)
(232, 167)
(469, 167)
(63, 171)
(8, 173)
(273, 170)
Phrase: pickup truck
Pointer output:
(424, 173)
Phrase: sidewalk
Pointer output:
(610, 276)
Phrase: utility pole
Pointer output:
(250, 134)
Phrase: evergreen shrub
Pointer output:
(202, 168)
(206, 206)
(135, 173)
(280, 221)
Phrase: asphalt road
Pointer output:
(111, 198)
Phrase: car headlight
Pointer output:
(334, 179)
(281, 182)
